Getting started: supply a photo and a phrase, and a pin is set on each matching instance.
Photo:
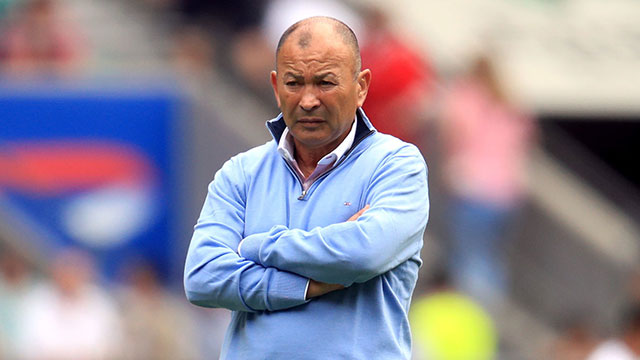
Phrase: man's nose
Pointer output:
(309, 100)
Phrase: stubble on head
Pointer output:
(303, 29)
(304, 39)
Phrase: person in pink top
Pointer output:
(486, 144)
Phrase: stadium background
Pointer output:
(109, 138)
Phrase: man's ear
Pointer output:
(364, 80)
(274, 85)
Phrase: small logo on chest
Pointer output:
(347, 203)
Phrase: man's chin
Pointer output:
(313, 126)
(311, 142)
(311, 133)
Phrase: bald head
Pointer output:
(303, 33)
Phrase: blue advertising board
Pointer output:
(93, 169)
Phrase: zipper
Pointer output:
(326, 173)
(295, 174)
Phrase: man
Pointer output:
(313, 239)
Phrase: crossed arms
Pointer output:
(316, 288)
(273, 268)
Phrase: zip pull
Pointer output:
(301, 197)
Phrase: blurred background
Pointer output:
(114, 116)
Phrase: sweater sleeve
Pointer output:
(386, 235)
(215, 275)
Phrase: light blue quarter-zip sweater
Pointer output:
(290, 237)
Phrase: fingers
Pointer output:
(359, 213)
(317, 288)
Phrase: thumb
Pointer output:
(359, 213)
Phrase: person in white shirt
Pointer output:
(69, 317)
(627, 345)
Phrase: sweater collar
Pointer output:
(363, 126)
(286, 147)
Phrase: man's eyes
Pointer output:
(327, 83)
(323, 83)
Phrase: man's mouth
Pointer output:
(312, 120)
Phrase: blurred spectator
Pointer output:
(16, 281)
(234, 15)
(633, 285)
(70, 318)
(575, 341)
(487, 140)
(626, 346)
(402, 81)
(192, 53)
(211, 328)
(156, 324)
(237, 41)
(252, 61)
(447, 325)
(39, 40)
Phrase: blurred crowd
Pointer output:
(474, 134)
(66, 311)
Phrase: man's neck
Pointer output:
(307, 158)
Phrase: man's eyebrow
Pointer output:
(315, 77)
(324, 75)
(292, 74)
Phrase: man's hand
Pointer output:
(317, 288)
(359, 213)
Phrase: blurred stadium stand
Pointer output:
(576, 245)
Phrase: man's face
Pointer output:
(316, 88)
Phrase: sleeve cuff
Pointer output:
(249, 247)
(289, 289)
(306, 290)
(240, 246)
